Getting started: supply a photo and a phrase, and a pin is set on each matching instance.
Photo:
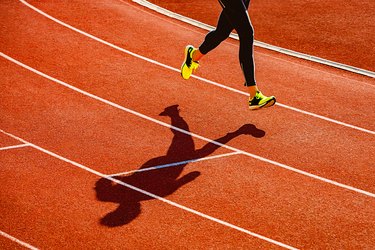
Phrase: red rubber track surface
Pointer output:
(50, 203)
(340, 31)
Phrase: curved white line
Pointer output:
(203, 31)
(174, 164)
(115, 105)
(227, 224)
(22, 243)
(14, 147)
(207, 27)
(178, 70)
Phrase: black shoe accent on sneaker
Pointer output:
(255, 101)
(189, 59)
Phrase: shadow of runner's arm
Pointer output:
(247, 129)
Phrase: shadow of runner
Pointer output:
(164, 181)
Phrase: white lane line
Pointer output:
(178, 70)
(22, 243)
(227, 224)
(15, 146)
(174, 164)
(115, 105)
(207, 27)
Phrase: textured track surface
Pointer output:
(56, 192)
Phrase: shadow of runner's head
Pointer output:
(170, 111)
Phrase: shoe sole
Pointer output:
(266, 105)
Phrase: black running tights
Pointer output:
(234, 16)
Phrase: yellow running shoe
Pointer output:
(189, 66)
(261, 101)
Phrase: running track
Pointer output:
(83, 91)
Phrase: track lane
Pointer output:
(331, 162)
(62, 212)
(268, 202)
(90, 132)
(314, 76)
(292, 195)
(324, 29)
(263, 159)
